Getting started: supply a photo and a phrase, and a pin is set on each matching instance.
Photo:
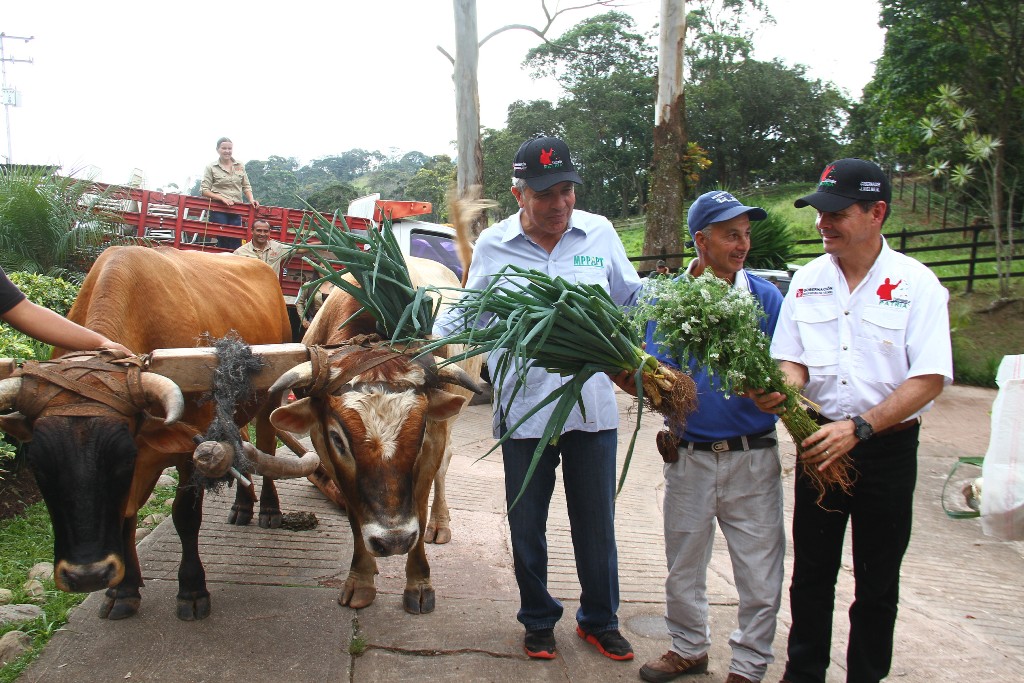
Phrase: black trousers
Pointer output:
(880, 509)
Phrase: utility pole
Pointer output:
(10, 95)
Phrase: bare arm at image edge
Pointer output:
(56, 330)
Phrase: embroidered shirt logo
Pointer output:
(893, 295)
(581, 261)
(813, 291)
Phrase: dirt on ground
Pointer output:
(18, 490)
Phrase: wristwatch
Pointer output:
(862, 429)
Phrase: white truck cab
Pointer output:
(415, 238)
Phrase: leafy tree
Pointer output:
(977, 46)
(953, 130)
(721, 34)
(606, 69)
(333, 197)
(431, 184)
(764, 122)
(274, 181)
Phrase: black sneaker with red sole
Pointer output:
(540, 644)
(610, 643)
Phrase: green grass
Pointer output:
(26, 540)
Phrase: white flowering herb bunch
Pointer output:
(707, 319)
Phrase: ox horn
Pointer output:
(162, 390)
(299, 376)
(9, 389)
(453, 374)
(213, 459)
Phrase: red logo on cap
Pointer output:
(545, 156)
(827, 171)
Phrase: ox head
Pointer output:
(82, 452)
(376, 418)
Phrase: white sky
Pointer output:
(122, 84)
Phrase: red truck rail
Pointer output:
(181, 221)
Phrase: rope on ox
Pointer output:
(321, 358)
(232, 383)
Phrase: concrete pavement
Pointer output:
(275, 617)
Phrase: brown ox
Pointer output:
(95, 471)
(381, 423)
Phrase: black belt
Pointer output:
(753, 441)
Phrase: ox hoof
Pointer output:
(438, 535)
(239, 516)
(119, 607)
(418, 600)
(193, 608)
(357, 597)
(270, 520)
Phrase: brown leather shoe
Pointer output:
(671, 666)
(736, 678)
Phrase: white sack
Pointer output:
(1002, 501)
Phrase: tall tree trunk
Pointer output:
(668, 178)
(470, 165)
(1004, 256)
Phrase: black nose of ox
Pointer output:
(85, 578)
(386, 542)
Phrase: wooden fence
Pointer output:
(963, 261)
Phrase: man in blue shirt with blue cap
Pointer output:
(726, 466)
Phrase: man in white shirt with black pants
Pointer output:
(864, 331)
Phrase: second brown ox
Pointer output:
(380, 421)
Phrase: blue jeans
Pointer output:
(880, 509)
(588, 472)
(226, 219)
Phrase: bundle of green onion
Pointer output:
(707, 319)
(378, 277)
(573, 329)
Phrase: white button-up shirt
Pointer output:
(859, 346)
(590, 251)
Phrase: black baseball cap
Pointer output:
(543, 162)
(847, 181)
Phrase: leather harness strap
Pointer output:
(115, 386)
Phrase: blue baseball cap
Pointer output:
(718, 206)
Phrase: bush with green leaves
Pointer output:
(771, 244)
(48, 224)
(50, 292)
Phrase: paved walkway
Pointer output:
(275, 617)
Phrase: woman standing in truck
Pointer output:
(225, 181)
